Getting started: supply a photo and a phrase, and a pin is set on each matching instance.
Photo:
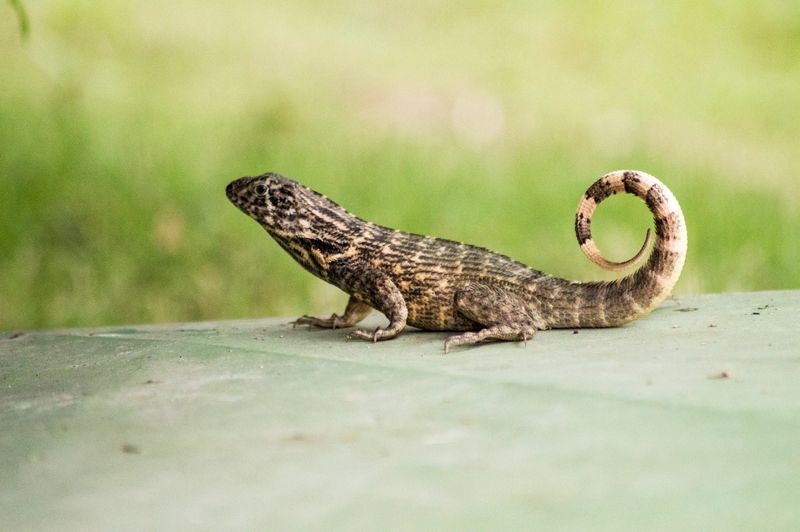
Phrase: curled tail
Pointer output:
(634, 295)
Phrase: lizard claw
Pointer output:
(303, 320)
(376, 335)
(360, 333)
(524, 338)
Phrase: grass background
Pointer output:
(121, 123)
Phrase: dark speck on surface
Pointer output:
(129, 448)
(721, 375)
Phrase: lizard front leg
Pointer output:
(354, 312)
(369, 288)
(501, 313)
(384, 295)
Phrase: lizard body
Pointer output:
(443, 285)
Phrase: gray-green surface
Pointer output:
(253, 425)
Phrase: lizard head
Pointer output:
(270, 199)
(309, 226)
(285, 208)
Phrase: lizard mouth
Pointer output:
(230, 190)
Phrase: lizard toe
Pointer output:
(360, 333)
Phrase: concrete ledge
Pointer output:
(687, 419)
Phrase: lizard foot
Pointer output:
(325, 323)
(498, 332)
(378, 334)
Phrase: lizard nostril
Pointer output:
(230, 191)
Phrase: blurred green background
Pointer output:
(122, 122)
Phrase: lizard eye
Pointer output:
(261, 189)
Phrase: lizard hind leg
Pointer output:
(501, 313)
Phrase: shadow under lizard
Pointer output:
(442, 285)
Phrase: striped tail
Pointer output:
(637, 294)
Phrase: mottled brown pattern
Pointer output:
(442, 285)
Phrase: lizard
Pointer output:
(443, 285)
